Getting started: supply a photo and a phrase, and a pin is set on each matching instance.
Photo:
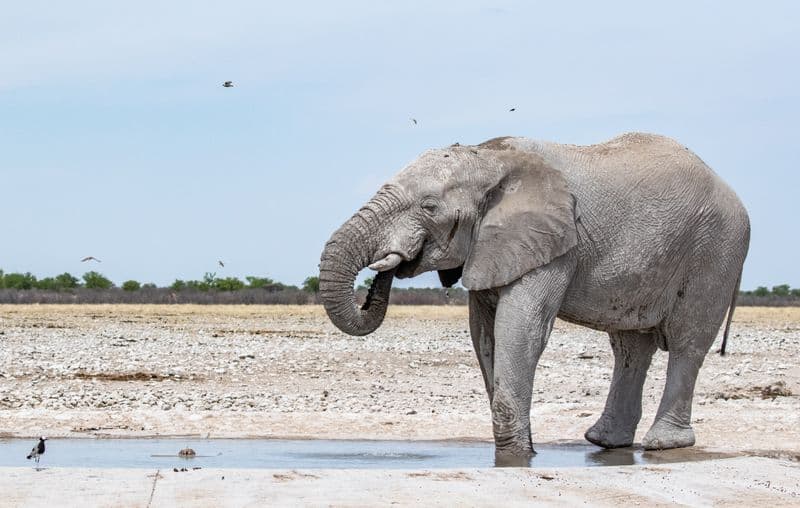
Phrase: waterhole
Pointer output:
(322, 454)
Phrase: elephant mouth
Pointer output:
(407, 269)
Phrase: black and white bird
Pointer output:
(228, 84)
(90, 258)
(220, 263)
(37, 451)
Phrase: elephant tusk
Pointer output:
(387, 263)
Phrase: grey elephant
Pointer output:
(635, 236)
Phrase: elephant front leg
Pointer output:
(526, 310)
(482, 308)
(633, 352)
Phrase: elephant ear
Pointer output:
(528, 220)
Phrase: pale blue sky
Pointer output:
(118, 141)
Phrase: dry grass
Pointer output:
(767, 315)
(788, 316)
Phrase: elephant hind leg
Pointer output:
(689, 330)
(633, 351)
(482, 310)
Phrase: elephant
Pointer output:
(635, 236)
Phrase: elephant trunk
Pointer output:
(350, 250)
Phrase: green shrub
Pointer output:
(19, 281)
(228, 284)
(95, 280)
(761, 291)
(67, 281)
(782, 290)
(178, 285)
(131, 285)
(258, 282)
(311, 285)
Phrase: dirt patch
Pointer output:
(771, 391)
(294, 475)
(129, 376)
(441, 476)
(294, 334)
(774, 390)
(774, 454)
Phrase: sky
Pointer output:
(118, 141)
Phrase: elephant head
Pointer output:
(489, 213)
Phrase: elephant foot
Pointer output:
(607, 434)
(663, 436)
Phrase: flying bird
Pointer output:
(90, 258)
(221, 263)
(513, 109)
(228, 84)
(414, 120)
(37, 451)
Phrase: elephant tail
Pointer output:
(730, 316)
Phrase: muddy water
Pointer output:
(314, 454)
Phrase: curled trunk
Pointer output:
(349, 251)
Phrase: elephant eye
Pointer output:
(430, 206)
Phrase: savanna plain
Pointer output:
(100, 371)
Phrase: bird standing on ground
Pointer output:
(90, 258)
(37, 451)
(228, 84)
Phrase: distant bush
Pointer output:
(227, 284)
(178, 285)
(258, 282)
(95, 280)
(311, 285)
(761, 291)
(131, 285)
(782, 290)
(19, 281)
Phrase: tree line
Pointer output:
(779, 296)
(94, 287)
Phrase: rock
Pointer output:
(186, 452)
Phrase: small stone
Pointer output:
(186, 452)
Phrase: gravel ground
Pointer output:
(238, 371)
(286, 371)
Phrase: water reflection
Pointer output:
(336, 454)
(506, 460)
(614, 457)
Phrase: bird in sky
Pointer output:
(228, 84)
(90, 258)
(414, 120)
(512, 109)
(221, 263)
(37, 451)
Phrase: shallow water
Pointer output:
(319, 454)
